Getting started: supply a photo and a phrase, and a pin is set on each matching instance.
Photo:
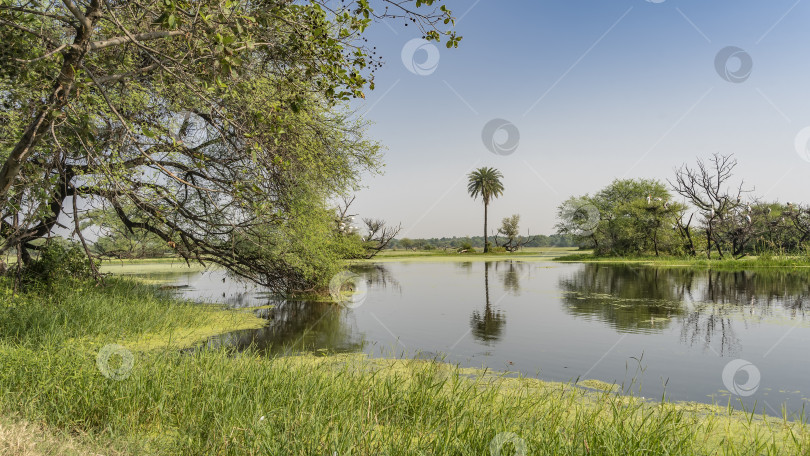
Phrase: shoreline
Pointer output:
(562, 255)
(195, 401)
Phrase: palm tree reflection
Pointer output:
(487, 326)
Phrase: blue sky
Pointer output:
(598, 90)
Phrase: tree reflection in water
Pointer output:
(511, 273)
(304, 325)
(464, 266)
(648, 299)
(750, 296)
(488, 326)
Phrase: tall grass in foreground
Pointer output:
(216, 402)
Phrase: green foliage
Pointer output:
(765, 255)
(486, 183)
(216, 130)
(509, 227)
(627, 217)
(637, 217)
(300, 252)
(115, 240)
(58, 260)
(540, 240)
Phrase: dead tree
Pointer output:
(379, 236)
(707, 189)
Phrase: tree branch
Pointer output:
(101, 44)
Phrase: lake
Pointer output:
(694, 335)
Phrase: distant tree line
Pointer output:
(702, 211)
(541, 240)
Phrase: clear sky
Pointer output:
(597, 90)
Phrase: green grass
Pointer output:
(211, 401)
(748, 262)
(156, 266)
(86, 316)
(19, 437)
(145, 260)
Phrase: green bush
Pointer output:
(58, 260)
(465, 246)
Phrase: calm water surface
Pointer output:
(665, 331)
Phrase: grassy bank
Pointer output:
(19, 437)
(748, 262)
(158, 266)
(214, 402)
(426, 256)
(149, 266)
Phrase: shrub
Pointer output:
(58, 260)
(465, 246)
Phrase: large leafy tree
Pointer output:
(216, 126)
(486, 183)
(629, 216)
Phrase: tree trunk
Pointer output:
(486, 247)
(691, 245)
(58, 99)
(719, 249)
(708, 244)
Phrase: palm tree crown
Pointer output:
(485, 182)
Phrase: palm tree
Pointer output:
(485, 182)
